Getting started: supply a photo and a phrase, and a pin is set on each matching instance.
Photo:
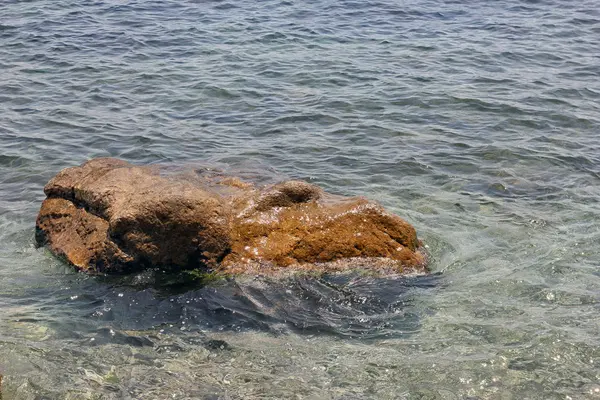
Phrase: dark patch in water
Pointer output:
(348, 305)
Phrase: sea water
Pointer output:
(478, 122)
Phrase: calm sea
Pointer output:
(477, 121)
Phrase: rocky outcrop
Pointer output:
(109, 216)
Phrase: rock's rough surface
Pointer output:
(109, 216)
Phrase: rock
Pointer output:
(108, 216)
(217, 344)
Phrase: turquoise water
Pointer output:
(477, 121)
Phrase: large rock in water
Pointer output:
(108, 216)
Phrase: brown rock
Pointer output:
(110, 216)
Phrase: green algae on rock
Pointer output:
(108, 216)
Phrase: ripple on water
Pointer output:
(478, 124)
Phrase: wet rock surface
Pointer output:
(108, 216)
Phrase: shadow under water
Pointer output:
(345, 305)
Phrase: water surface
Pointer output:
(478, 122)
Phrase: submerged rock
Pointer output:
(108, 216)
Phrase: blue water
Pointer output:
(476, 121)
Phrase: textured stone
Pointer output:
(110, 216)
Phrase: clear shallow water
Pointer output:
(478, 123)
